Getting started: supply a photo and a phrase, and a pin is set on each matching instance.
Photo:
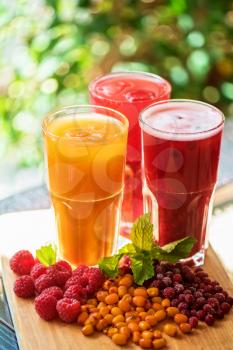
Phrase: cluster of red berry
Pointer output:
(59, 291)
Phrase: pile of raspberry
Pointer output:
(192, 292)
(58, 291)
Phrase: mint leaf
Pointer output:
(109, 265)
(128, 249)
(142, 268)
(142, 233)
(174, 251)
(47, 254)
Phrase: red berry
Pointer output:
(37, 270)
(193, 321)
(82, 281)
(24, 287)
(80, 270)
(76, 292)
(45, 306)
(177, 277)
(201, 314)
(22, 262)
(63, 266)
(225, 307)
(68, 309)
(59, 276)
(209, 319)
(56, 292)
(169, 293)
(43, 282)
(229, 300)
(96, 277)
(220, 297)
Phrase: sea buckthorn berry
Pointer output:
(140, 309)
(147, 334)
(185, 327)
(111, 331)
(88, 330)
(140, 291)
(122, 290)
(136, 337)
(157, 334)
(92, 301)
(151, 319)
(104, 311)
(166, 302)
(82, 318)
(160, 315)
(157, 306)
(133, 326)
(142, 315)
(127, 297)
(107, 284)
(124, 305)
(125, 330)
(172, 311)
(111, 299)
(156, 300)
(119, 339)
(139, 300)
(84, 308)
(131, 291)
(126, 280)
(113, 289)
(132, 319)
(170, 329)
(116, 311)
(91, 320)
(180, 318)
(144, 325)
(151, 311)
(159, 343)
(153, 292)
(109, 318)
(120, 324)
(101, 324)
(101, 295)
(145, 343)
(118, 318)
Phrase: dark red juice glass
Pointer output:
(181, 145)
(129, 93)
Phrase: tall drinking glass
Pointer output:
(181, 146)
(129, 93)
(85, 150)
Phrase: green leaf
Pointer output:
(128, 249)
(109, 265)
(142, 267)
(47, 254)
(142, 233)
(174, 251)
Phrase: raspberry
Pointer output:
(209, 319)
(56, 292)
(169, 293)
(45, 306)
(76, 279)
(37, 270)
(24, 287)
(59, 276)
(76, 292)
(80, 270)
(225, 307)
(43, 282)
(193, 321)
(68, 309)
(96, 277)
(22, 262)
(63, 265)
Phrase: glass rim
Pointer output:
(141, 73)
(171, 101)
(57, 111)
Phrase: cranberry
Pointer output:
(207, 308)
(175, 302)
(193, 321)
(179, 288)
(201, 314)
(167, 281)
(220, 297)
(182, 306)
(209, 319)
(177, 277)
(229, 300)
(189, 298)
(181, 297)
(169, 292)
(225, 307)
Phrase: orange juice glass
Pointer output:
(85, 149)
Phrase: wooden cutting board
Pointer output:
(36, 334)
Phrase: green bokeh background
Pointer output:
(51, 49)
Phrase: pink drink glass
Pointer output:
(129, 93)
(181, 145)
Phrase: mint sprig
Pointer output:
(47, 254)
(143, 251)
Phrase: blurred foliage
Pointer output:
(51, 49)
